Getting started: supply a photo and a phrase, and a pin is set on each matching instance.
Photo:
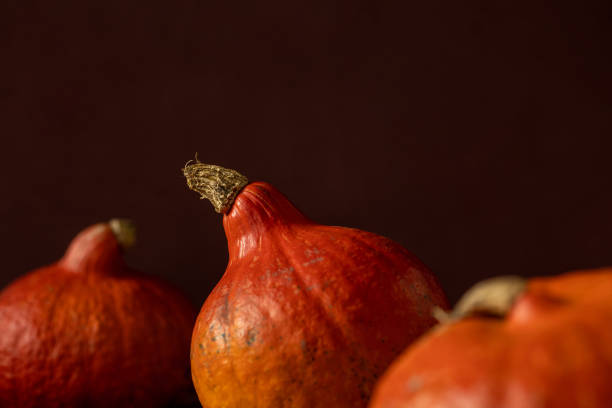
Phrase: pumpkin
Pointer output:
(545, 342)
(88, 331)
(306, 315)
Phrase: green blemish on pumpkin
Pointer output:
(225, 310)
(251, 335)
(313, 261)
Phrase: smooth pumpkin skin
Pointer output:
(305, 315)
(553, 349)
(88, 331)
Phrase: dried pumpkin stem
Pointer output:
(124, 230)
(491, 297)
(215, 183)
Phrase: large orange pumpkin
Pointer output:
(542, 343)
(305, 315)
(88, 331)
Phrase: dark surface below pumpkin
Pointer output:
(186, 400)
(186, 404)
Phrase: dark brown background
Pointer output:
(476, 133)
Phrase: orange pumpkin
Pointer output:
(88, 331)
(305, 315)
(513, 344)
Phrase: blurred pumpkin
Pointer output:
(511, 343)
(88, 331)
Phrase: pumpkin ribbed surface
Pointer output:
(88, 331)
(305, 315)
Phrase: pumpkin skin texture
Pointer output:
(305, 315)
(88, 331)
(552, 349)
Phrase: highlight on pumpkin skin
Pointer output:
(99, 244)
(215, 183)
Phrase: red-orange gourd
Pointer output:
(88, 331)
(550, 346)
(305, 315)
